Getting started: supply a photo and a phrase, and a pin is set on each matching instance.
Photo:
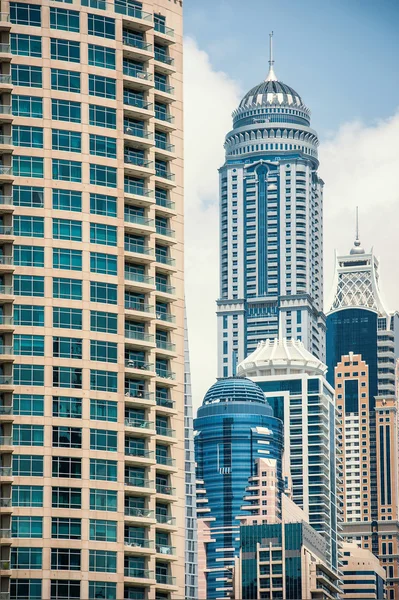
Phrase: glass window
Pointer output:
(103, 263)
(67, 377)
(102, 561)
(103, 321)
(66, 229)
(67, 288)
(65, 529)
(103, 470)
(102, 116)
(104, 381)
(65, 347)
(103, 439)
(67, 407)
(70, 260)
(27, 435)
(27, 137)
(101, 530)
(103, 410)
(65, 559)
(28, 404)
(27, 106)
(100, 145)
(103, 351)
(61, 49)
(67, 467)
(61, 589)
(67, 20)
(67, 437)
(26, 588)
(25, 14)
(101, 204)
(23, 44)
(102, 175)
(103, 234)
(100, 4)
(65, 81)
(106, 293)
(29, 375)
(102, 589)
(27, 495)
(26, 195)
(29, 256)
(28, 285)
(65, 110)
(24, 465)
(28, 345)
(66, 497)
(70, 141)
(104, 87)
(28, 226)
(27, 166)
(26, 75)
(67, 200)
(26, 558)
(103, 500)
(101, 26)
(101, 56)
(26, 527)
(67, 170)
(67, 318)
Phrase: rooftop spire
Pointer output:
(271, 76)
(357, 249)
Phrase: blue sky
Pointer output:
(340, 55)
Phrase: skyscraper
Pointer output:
(271, 213)
(92, 489)
(362, 352)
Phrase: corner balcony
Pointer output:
(143, 21)
(138, 398)
(140, 485)
(139, 282)
(140, 79)
(141, 137)
(138, 224)
(140, 253)
(137, 166)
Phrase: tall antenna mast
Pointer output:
(271, 76)
(357, 223)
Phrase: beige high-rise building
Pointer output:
(91, 386)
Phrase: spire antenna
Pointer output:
(271, 75)
(357, 223)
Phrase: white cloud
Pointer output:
(360, 167)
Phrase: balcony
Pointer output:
(143, 138)
(5, 440)
(139, 365)
(142, 79)
(166, 317)
(5, 81)
(5, 503)
(160, 86)
(137, 190)
(5, 173)
(6, 229)
(140, 281)
(136, 49)
(139, 544)
(6, 380)
(165, 549)
(143, 251)
(165, 431)
(139, 336)
(6, 201)
(6, 144)
(138, 165)
(6, 263)
(165, 403)
(165, 461)
(139, 397)
(162, 147)
(165, 374)
(164, 288)
(5, 113)
(145, 19)
(137, 573)
(139, 482)
(167, 232)
(165, 520)
(5, 20)
(139, 513)
(161, 28)
(5, 471)
(141, 307)
(165, 120)
(139, 453)
(140, 221)
(167, 346)
(164, 63)
(165, 579)
(166, 490)
(5, 533)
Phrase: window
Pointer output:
(64, 347)
(67, 318)
(103, 263)
(67, 377)
(27, 495)
(28, 404)
(27, 166)
(67, 20)
(25, 75)
(104, 87)
(64, 588)
(102, 589)
(67, 437)
(26, 195)
(67, 467)
(100, 204)
(101, 26)
(103, 439)
(25, 14)
(26, 588)
(29, 256)
(103, 234)
(103, 410)
(101, 56)
(65, 529)
(26, 45)
(102, 561)
(26, 558)
(66, 497)
(105, 381)
(103, 351)
(102, 116)
(102, 175)
(61, 49)
(70, 260)
(67, 288)
(26, 527)
(67, 200)
(66, 229)
(29, 375)
(103, 470)
(65, 81)
(24, 465)
(29, 345)
(67, 407)
(64, 110)
(27, 435)
(67, 170)
(102, 531)
(27, 106)
(27, 137)
(65, 559)
(103, 500)
(70, 141)
(106, 293)
(28, 285)
(100, 145)
(28, 226)
(103, 321)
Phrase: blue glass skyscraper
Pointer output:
(271, 204)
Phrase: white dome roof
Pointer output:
(280, 356)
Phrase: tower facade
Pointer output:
(271, 213)
(92, 468)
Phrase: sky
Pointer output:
(341, 57)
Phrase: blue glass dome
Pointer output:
(234, 389)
